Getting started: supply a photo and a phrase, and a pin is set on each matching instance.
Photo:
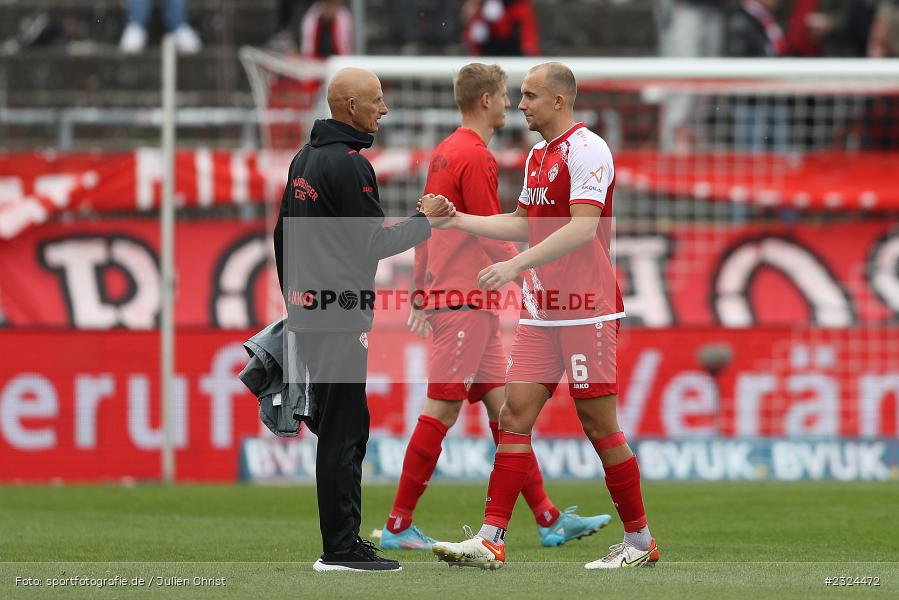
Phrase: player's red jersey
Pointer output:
(447, 265)
(579, 288)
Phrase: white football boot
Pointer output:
(626, 555)
(473, 552)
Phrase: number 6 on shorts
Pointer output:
(578, 367)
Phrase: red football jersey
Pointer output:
(580, 287)
(447, 265)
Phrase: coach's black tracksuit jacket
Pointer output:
(339, 254)
(335, 255)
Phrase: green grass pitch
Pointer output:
(717, 540)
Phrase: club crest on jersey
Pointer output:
(537, 196)
(468, 382)
(553, 172)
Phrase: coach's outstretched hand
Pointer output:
(437, 209)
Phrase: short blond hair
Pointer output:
(474, 80)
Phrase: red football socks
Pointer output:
(623, 481)
(418, 466)
(510, 472)
(545, 512)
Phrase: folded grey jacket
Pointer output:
(283, 406)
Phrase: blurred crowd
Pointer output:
(686, 28)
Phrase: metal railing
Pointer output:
(67, 120)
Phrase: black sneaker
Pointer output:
(363, 556)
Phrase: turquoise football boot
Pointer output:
(410, 538)
(571, 526)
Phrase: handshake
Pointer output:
(437, 209)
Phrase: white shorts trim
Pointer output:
(571, 322)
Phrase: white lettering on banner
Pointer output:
(581, 460)
(140, 263)
(205, 169)
(466, 461)
(820, 460)
(240, 176)
(78, 263)
(222, 386)
(11, 189)
(258, 460)
(269, 458)
(28, 396)
(884, 271)
(90, 390)
(685, 460)
(234, 282)
(78, 260)
(141, 433)
(390, 457)
(551, 456)
(148, 172)
(633, 404)
(874, 390)
(750, 389)
(830, 304)
(817, 415)
(689, 394)
(642, 260)
(33, 396)
(58, 188)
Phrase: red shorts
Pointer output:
(467, 358)
(586, 353)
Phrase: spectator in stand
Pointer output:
(412, 29)
(883, 40)
(761, 123)
(881, 116)
(501, 28)
(326, 30)
(830, 27)
(284, 38)
(753, 31)
(174, 12)
(687, 28)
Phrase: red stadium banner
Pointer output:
(36, 185)
(83, 406)
(105, 275)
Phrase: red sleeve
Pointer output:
(480, 179)
(420, 269)
(530, 37)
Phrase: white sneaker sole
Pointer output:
(323, 568)
(455, 559)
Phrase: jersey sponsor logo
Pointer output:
(597, 174)
(537, 196)
(553, 173)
